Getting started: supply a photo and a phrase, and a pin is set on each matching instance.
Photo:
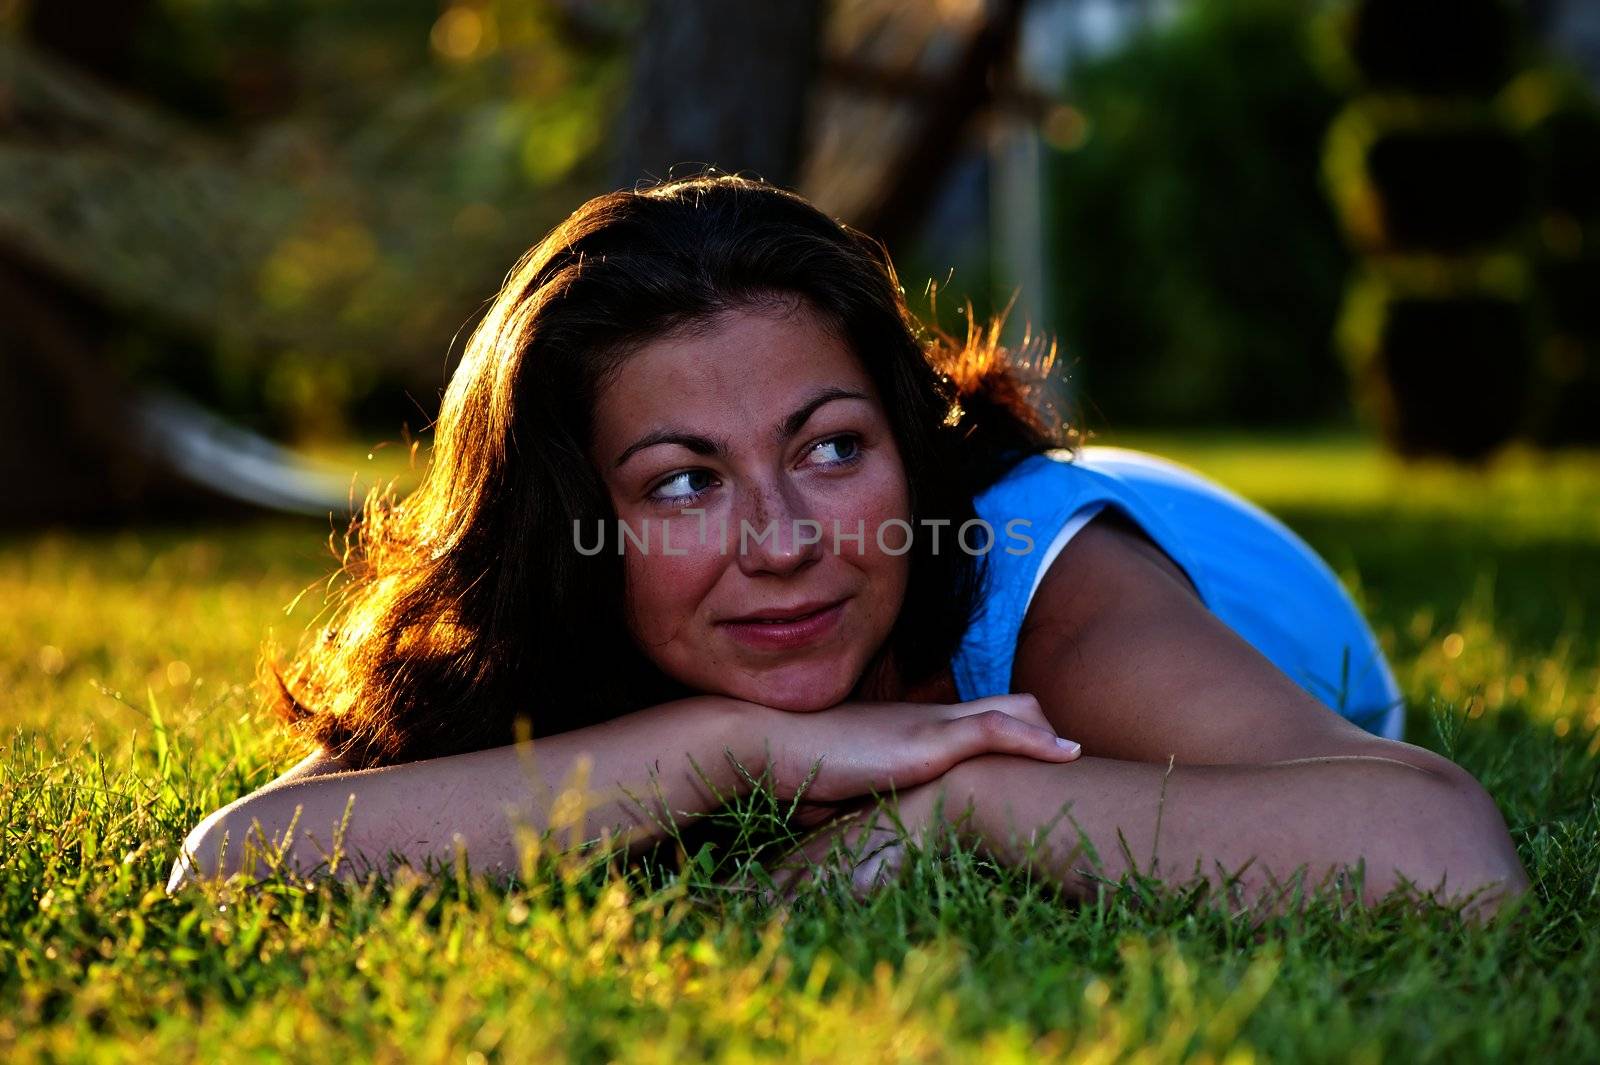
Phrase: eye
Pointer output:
(682, 486)
(837, 450)
(688, 485)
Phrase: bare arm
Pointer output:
(1437, 830)
(1122, 652)
(422, 810)
(673, 761)
(1200, 754)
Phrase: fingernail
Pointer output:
(1068, 745)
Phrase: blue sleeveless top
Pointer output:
(1258, 577)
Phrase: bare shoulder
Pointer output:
(1109, 569)
(319, 763)
(1125, 658)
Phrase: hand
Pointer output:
(867, 847)
(852, 750)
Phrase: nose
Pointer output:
(777, 536)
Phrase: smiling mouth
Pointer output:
(786, 617)
(790, 629)
(781, 620)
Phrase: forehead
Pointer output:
(742, 365)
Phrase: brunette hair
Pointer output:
(465, 608)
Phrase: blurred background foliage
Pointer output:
(1199, 266)
(1465, 177)
(1217, 180)
(317, 195)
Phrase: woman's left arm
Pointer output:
(1200, 756)
(1186, 726)
(1252, 826)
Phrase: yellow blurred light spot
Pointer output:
(1454, 644)
(285, 281)
(1531, 97)
(1096, 993)
(347, 250)
(556, 140)
(1421, 624)
(1066, 127)
(51, 660)
(1518, 686)
(178, 673)
(458, 33)
(1562, 726)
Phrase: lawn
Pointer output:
(125, 692)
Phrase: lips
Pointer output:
(777, 615)
(785, 628)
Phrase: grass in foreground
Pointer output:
(122, 692)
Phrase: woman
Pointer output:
(704, 504)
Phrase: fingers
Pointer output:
(867, 854)
(801, 866)
(868, 747)
(996, 732)
(1020, 705)
(1023, 707)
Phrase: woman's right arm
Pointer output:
(677, 761)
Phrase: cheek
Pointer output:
(665, 592)
(878, 503)
(877, 494)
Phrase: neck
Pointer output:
(879, 683)
(882, 682)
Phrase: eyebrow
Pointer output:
(705, 445)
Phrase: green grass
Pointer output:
(124, 691)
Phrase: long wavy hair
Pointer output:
(464, 619)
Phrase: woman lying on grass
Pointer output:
(705, 504)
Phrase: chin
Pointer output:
(800, 691)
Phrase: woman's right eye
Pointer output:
(681, 487)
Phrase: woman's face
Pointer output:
(733, 455)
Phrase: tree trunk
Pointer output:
(722, 83)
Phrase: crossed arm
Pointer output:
(1262, 831)
(1198, 755)
(632, 777)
